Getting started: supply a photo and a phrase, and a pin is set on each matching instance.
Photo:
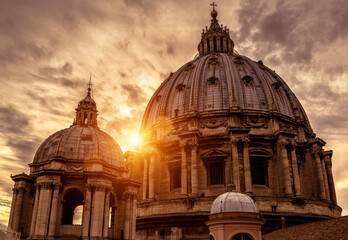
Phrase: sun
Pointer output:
(135, 140)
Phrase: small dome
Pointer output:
(80, 143)
(233, 202)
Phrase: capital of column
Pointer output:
(234, 140)
(130, 195)
(328, 160)
(193, 143)
(183, 143)
(317, 151)
(19, 190)
(282, 142)
(97, 187)
(46, 185)
(245, 141)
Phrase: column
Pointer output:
(295, 170)
(228, 174)
(194, 170)
(326, 184)
(106, 214)
(43, 209)
(328, 163)
(97, 218)
(86, 218)
(34, 214)
(246, 161)
(145, 178)
(134, 218)
(54, 210)
(18, 209)
(285, 165)
(316, 156)
(127, 216)
(152, 177)
(183, 169)
(13, 202)
(235, 163)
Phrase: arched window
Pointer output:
(85, 118)
(72, 207)
(208, 45)
(259, 167)
(242, 236)
(221, 44)
(214, 44)
(112, 212)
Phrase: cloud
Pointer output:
(135, 94)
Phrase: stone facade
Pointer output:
(83, 168)
(224, 119)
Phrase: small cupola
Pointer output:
(86, 111)
(216, 38)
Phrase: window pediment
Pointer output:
(214, 154)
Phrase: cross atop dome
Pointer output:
(216, 38)
(214, 5)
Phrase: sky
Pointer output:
(49, 49)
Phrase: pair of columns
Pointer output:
(287, 164)
(323, 164)
(236, 167)
(95, 219)
(44, 217)
(149, 171)
(192, 145)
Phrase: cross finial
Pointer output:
(89, 83)
(214, 5)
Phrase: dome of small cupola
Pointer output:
(233, 202)
(82, 141)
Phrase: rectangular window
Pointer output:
(259, 174)
(175, 177)
(216, 173)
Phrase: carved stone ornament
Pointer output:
(239, 60)
(178, 129)
(189, 66)
(215, 123)
(75, 168)
(213, 80)
(255, 122)
(247, 79)
(286, 128)
(213, 61)
(180, 87)
(277, 84)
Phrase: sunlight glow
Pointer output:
(135, 140)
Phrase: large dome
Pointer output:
(225, 119)
(223, 82)
(80, 143)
